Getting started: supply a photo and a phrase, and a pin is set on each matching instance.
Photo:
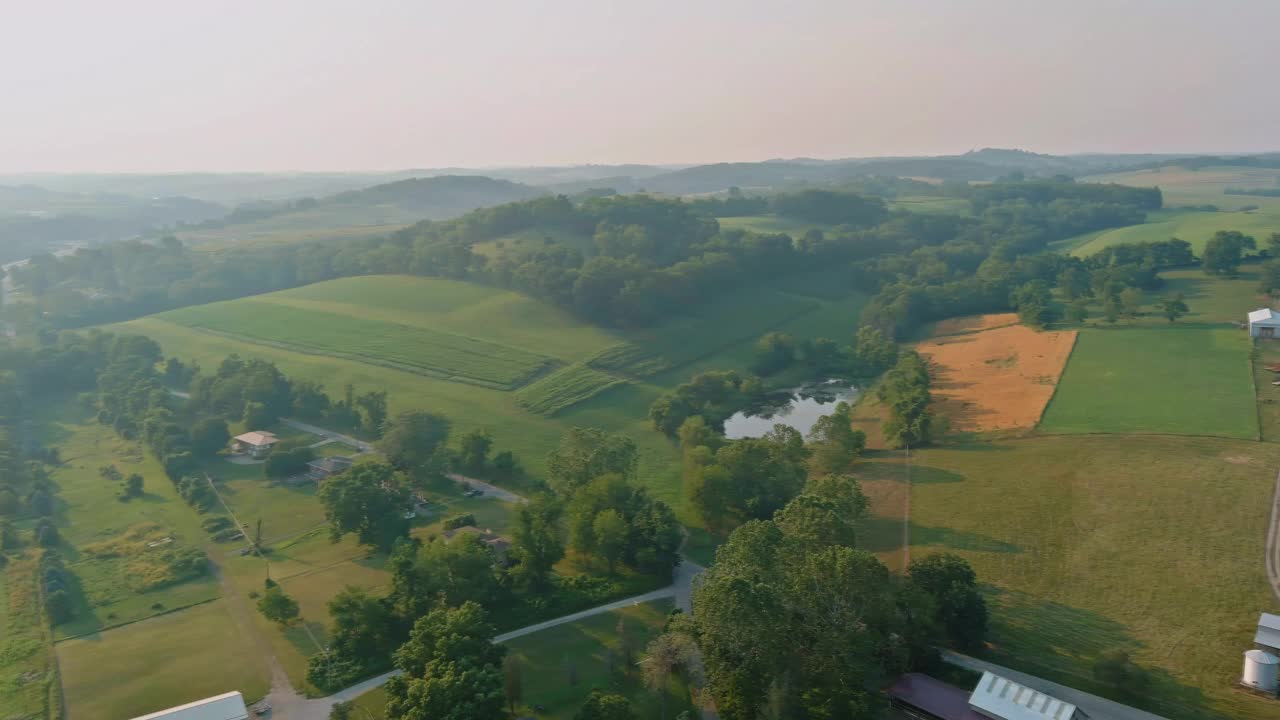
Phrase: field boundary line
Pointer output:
(1272, 546)
(1057, 383)
(162, 613)
(1254, 357)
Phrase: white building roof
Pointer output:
(1004, 699)
(1268, 631)
(1264, 315)
(227, 706)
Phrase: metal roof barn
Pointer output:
(1004, 699)
(227, 706)
(1268, 631)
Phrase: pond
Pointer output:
(798, 408)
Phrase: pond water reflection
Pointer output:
(798, 408)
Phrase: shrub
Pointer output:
(458, 521)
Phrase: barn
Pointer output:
(1264, 323)
(227, 706)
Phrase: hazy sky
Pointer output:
(318, 85)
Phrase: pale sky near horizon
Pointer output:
(160, 86)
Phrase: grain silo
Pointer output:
(1261, 671)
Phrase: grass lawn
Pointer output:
(1149, 543)
(1191, 380)
(1267, 352)
(547, 658)
(158, 663)
(771, 224)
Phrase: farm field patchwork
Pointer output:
(1181, 186)
(1151, 544)
(1191, 380)
(158, 663)
(719, 335)
(996, 379)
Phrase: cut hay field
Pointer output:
(1190, 380)
(158, 663)
(382, 333)
(1152, 544)
(996, 379)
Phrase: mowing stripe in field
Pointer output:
(1183, 380)
(446, 355)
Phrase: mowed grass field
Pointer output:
(1175, 379)
(1152, 544)
(1195, 227)
(158, 663)
(604, 378)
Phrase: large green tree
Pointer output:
(412, 439)
(452, 669)
(1224, 252)
(537, 542)
(833, 441)
(369, 500)
(587, 453)
(952, 584)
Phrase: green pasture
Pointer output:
(413, 349)
(530, 240)
(1084, 544)
(1189, 380)
(88, 512)
(930, 205)
(1195, 227)
(771, 224)
(1266, 353)
(158, 663)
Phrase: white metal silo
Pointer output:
(1261, 671)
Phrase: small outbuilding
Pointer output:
(1268, 635)
(322, 468)
(1264, 323)
(256, 443)
(227, 706)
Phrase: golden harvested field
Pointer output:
(974, 323)
(998, 379)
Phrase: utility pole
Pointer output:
(906, 514)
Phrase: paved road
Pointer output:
(489, 490)
(1097, 708)
(1273, 542)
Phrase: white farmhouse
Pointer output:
(1264, 323)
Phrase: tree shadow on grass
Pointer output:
(1060, 643)
(884, 534)
(897, 472)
